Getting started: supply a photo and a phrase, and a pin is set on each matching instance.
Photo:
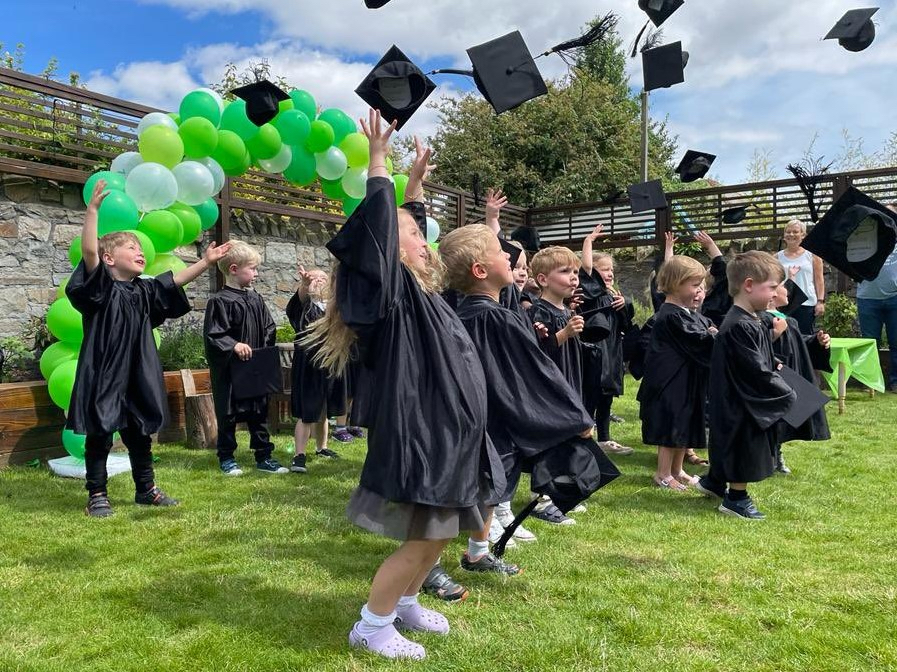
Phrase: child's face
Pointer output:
(605, 269)
(780, 298)
(687, 293)
(759, 294)
(127, 259)
(702, 294)
(497, 265)
(521, 274)
(412, 243)
(244, 275)
(561, 282)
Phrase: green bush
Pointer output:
(285, 333)
(643, 311)
(19, 363)
(182, 347)
(840, 317)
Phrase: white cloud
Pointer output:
(148, 82)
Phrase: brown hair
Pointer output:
(107, 244)
(551, 258)
(676, 270)
(759, 266)
(460, 250)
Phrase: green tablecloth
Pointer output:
(860, 359)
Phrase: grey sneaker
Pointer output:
(489, 563)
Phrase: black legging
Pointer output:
(96, 451)
(602, 416)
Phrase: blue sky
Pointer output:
(759, 79)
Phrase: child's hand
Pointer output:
(669, 239)
(495, 201)
(574, 325)
(597, 232)
(824, 339)
(713, 331)
(704, 239)
(420, 167)
(214, 252)
(378, 136)
(577, 299)
(618, 302)
(779, 326)
(305, 277)
(541, 330)
(243, 351)
(587, 434)
(98, 196)
(793, 271)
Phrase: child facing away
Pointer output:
(748, 396)
(237, 322)
(118, 383)
(430, 466)
(673, 392)
(315, 395)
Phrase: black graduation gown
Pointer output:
(531, 407)
(603, 367)
(657, 297)
(804, 354)
(673, 392)
(427, 442)
(567, 357)
(313, 391)
(235, 316)
(747, 398)
(119, 375)
(717, 302)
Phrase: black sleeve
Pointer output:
(217, 328)
(167, 299)
(88, 292)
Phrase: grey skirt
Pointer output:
(412, 522)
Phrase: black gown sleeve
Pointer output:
(89, 291)
(167, 299)
(294, 310)
(217, 328)
(691, 338)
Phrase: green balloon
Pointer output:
(208, 213)
(266, 144)
(401, 182)
(304, 102)
(161, 144)
(118, 212)
(230, 150)
(240, 168)
(73, 443)
(75, 251)
(163, 228)
(235, 120)
(200, 104)
(146, 245)
(61, 383)
(199, 136)
(356, 147)
(56, 354)
(163, 263)
(349, 205)
(191, 224)
(340, 122)
(334, 189)
(60, 291)
(175, 117)
(293, 127)
(320, 137)
(284, 105)
(114, 181)
(302, 168)
(64, 321)
(157, 338)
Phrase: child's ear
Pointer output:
(541, 279)
(232, 269)
(479, 271)
(107, 259)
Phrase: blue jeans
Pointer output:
(875, 314)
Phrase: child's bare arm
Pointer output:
(587, 248)
(420, 169)
(89, 246)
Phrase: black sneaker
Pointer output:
(155, 497)
(98, 506)
(551, 514)
(357, 432)
(297, 465)
(440, 585)
(326, 452)
(708, 489)
(271, 466)
(741, 508)
(489, 563)
(781, 467)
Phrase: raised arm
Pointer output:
(709, 246)
(420, 169)
(597, 232)
(495, 201)
(211, 256)
(669, 241)
(89, 246)
(379, 146)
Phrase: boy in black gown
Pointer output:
(237, 322)
(118, 384)
(748, 397)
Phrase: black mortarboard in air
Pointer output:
(694, 165)
(374, 4)
(419, 211)
(528, 237)
(646, 196)
(511, 250)
(855, 236)
(796, 296)
(262, 100)
(396, 87)
(258, 376)
(855, 30)
(734, 215)
(659, 11)
(808, 401)
(664, 66)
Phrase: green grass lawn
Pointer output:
(265, 573)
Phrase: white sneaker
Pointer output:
(614, 448)
(496, 529)
(579, 508)
(506, 517)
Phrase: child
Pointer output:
(430, 464)
(237, 322)
(315, 395)
(118, 384)
(748, 396)
(673, 392)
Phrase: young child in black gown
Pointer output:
(430, 468)
(118, 382)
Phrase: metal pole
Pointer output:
(644, 155)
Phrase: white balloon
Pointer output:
(331, 164)
(125, 162)
(432, 230)
(279, 162)
(155, 119)
(217, 171)
(151, 186)
(355, 182)
(194, 181)
(215, 95)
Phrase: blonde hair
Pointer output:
(798, 223)
(598, 257)
(460, 250)
(759, 266)
(676, 270)
(108, 243)
(552, 258)
(240, 253)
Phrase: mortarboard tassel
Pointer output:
(498, 549)
(570, 49)
(808, 178)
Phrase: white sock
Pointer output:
(371, 623)
(406, 601)
(503, 506)
(475, 548)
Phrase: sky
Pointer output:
(760, 78)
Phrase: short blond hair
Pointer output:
(108, 243)
(598, 257)
(759, 266)
(798, 223)
(552, 258)
(240, 253)
(460, 250)
(677, 270)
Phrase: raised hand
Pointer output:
(421, 166)
(597, 232)
(214, 252)
(670, 239)
(379, 141)
(98, 196)
(495, 201)
(710, 247)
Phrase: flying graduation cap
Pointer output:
(664, 66)
(855, 30)
(646, 196)
(528, 237)
(659, 11)
(734, 215)
(396, 87)
(262, 100)
(374, 4)
(694, 165)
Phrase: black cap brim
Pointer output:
(646, 196)
(855, 30)
(659, 11)
(505, 72)
(513, 251)
(396, 87)
(374, 4)
(528, 237)
(262, 100)
(694, 165)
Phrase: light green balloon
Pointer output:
(64, 321)
(200, 137)
(163, 263)
(163, 228)
(340, 122)
(61, 382)
(356, 147)
(235, 120)
(160, 144)
(60, 291)
(157, 338)
(55, 354)
(230, 150)
(200, 104)
(266, 144)
(293, 127)
(401, 181)
(114, 181)
(240, 168)
(75, 251)
(320, 137)
(73, 443)
(191, 224)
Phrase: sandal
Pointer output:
(687, 479)
(416, 617)
(669, 483)
(388, 643)
(693, 458)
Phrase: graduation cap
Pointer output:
(419, 211)
(528, 237)
(659, 11)
(735, 214)
(257, 376)
(262, 100)
(504, 72)
(664, 66)
(808, 401)
(694, 165)
(596, 327)
(512, 250)
(396, 87)
(796, 297)
(855, 30)
(374, 4)
(646, 196)
(856, 235)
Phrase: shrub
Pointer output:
(19, 363)
(643, 311)
(840, 317)
(285, 333)
(182, 347)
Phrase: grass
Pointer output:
(265, 573)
